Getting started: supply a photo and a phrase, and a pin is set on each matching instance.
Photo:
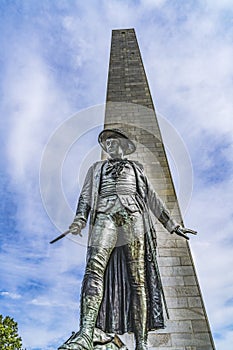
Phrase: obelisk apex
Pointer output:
(127, 80)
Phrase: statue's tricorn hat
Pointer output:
(128, 145)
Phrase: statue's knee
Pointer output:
(138, 280)
(92, 285)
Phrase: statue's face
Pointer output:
(114, 149)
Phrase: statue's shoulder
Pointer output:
(137, 164)
(98, 165)
(98, 162)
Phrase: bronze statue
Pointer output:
(121, 290)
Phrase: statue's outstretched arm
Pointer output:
(159, 209)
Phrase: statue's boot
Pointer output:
(141, 336)
(142, 346)
(92, 291)
(83, 340)
(141, 339)
(140, 323)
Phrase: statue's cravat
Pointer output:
(115, 167)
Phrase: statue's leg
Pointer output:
(135, 251)
(92, 290)
(99, 251)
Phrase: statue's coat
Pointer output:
(115, 310)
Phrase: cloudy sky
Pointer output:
(53, 71)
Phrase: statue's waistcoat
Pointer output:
(118, 182)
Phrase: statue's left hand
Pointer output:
(182, 231)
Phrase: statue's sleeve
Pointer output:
(84, 202)
(159, 209)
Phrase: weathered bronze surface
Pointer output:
(121, 290)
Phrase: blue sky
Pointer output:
(53, 75)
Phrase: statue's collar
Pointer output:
(113, 160)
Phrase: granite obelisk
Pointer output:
(129, 106)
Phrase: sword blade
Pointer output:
(60, 237)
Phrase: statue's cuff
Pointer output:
(175, 229)
(171, 225)
(79, 220)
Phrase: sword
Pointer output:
(60, 237)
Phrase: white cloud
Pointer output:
(11, 295)
(36, 104)
(210, 213)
